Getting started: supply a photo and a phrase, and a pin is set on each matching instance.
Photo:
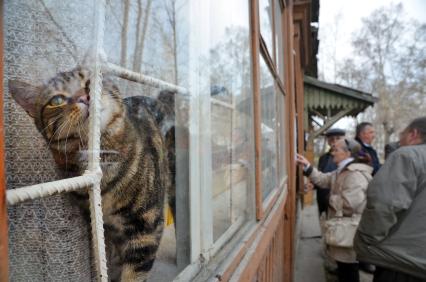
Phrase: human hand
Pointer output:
(301, 160)
(309, 186)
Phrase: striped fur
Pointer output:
(134, 160)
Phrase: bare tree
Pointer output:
(329, 47)
(124, 30)
(354, 75)
(390, 62)
(141, 34)
(171, 17)
(169, 33)
(230, 60)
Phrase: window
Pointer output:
(282, 165)
(279, 36)
(267, 23)
(166, 92)
(268, 98)
(231, 118)
(200, 52)
(272, 100)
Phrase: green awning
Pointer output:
(331, 102)
(329, 99)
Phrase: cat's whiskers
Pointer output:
(54, 133)
(60, 131)
(73, 121)
(70, 123)
(79, 124)
(52, 122)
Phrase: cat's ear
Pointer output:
(25, 95)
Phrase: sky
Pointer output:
(339, 19)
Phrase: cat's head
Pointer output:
(60, 107)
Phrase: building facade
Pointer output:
(236, 72)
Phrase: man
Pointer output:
(365, 135)
(326, 164)
(392, 231)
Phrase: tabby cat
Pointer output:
(134, 159)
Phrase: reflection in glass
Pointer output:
(231, 119)
(279, 51)
(282, 143)
(268, 129)
(151, 37)
(266, 23)
(148, 36)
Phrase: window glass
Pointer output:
(282, 142)
(268, 129)
(231, 113)
(151, 38)
(144, 144)
(151, 114)
(279, 51)
(266, 23)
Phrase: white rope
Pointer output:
(221, 103)
(33, 192)
(98, 231)
(94, 146)
(141, 78)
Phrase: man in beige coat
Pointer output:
(347, 196)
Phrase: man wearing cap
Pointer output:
(326, 164)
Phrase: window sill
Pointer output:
(235, 255)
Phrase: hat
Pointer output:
(335, 132)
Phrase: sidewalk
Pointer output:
(310, 250)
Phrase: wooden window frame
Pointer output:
(259, 48)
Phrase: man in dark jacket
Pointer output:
(365, 135)
(392, 231)
(326, 164)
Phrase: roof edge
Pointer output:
(339, 89)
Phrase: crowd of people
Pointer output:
(375, 214)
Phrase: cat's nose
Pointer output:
(81, 96)
(85, 99)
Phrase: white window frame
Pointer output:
(203, 248)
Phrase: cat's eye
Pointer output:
(57, 101)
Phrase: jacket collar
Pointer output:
(343, 164)
(363, 144)
(359, 167)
